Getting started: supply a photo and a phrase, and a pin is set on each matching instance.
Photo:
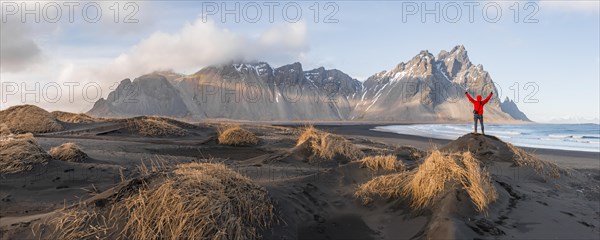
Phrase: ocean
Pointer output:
(575, 137)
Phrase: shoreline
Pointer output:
(567, 158)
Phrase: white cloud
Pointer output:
(187, 50)
(18, 50)
(589, 6)
(200, 44)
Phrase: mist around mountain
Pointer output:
(425, 88)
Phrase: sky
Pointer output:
(545, 55)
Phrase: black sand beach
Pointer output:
(313, 197)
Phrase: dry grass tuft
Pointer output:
(195, 201)
(327, 146)
(29, 118)
(430, 179)
(236, 136)
(477, 182)
(522, 158)
(217, 202)
(332, 145)
(309, 133)
(4, 130)
(85, 223)
(442, 171)
(384, 162)
(74, 117)
(387, 186)
(20, 153)
(171, 121)
(68, 152)
(437, 174)
(152, 127)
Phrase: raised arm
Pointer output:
(487, 98)
(470, 98)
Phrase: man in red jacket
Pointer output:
(478, 109)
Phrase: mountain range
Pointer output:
(426, 88)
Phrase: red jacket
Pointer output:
(478, 104)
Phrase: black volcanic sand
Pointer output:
(315, 201)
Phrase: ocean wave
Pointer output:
(505, 132)
(559, 136)
(550, 139)
(591, 137)
(565, 137)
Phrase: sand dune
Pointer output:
(20, 153)
(29, 118)
(69, 152)
(74, 118)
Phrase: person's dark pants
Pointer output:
(480, 118)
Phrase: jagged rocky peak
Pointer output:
(510, 107)
(458, 53)
(422, 64)
(122, 87)
(419, 66)
(290, 75)
(260, 68)
(333, 81)
(150, 94)
(293, 68)
(152, 84)
(456, 60)
(125, 81)
(237, 71)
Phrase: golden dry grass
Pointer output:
(426, 184)
(152, 127)
(4, 130)
(430, 179)
(477, 182)
(236, 136)
(85, 223)
(20, 153)
(332, 145)
(74, 117)
(387, 186)
(382, 162)
(171, 121)
(309, 133)
(29, 118)
(69, 152)
(522, 158)
(195, 201)
(327, 146)
(440, 171)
